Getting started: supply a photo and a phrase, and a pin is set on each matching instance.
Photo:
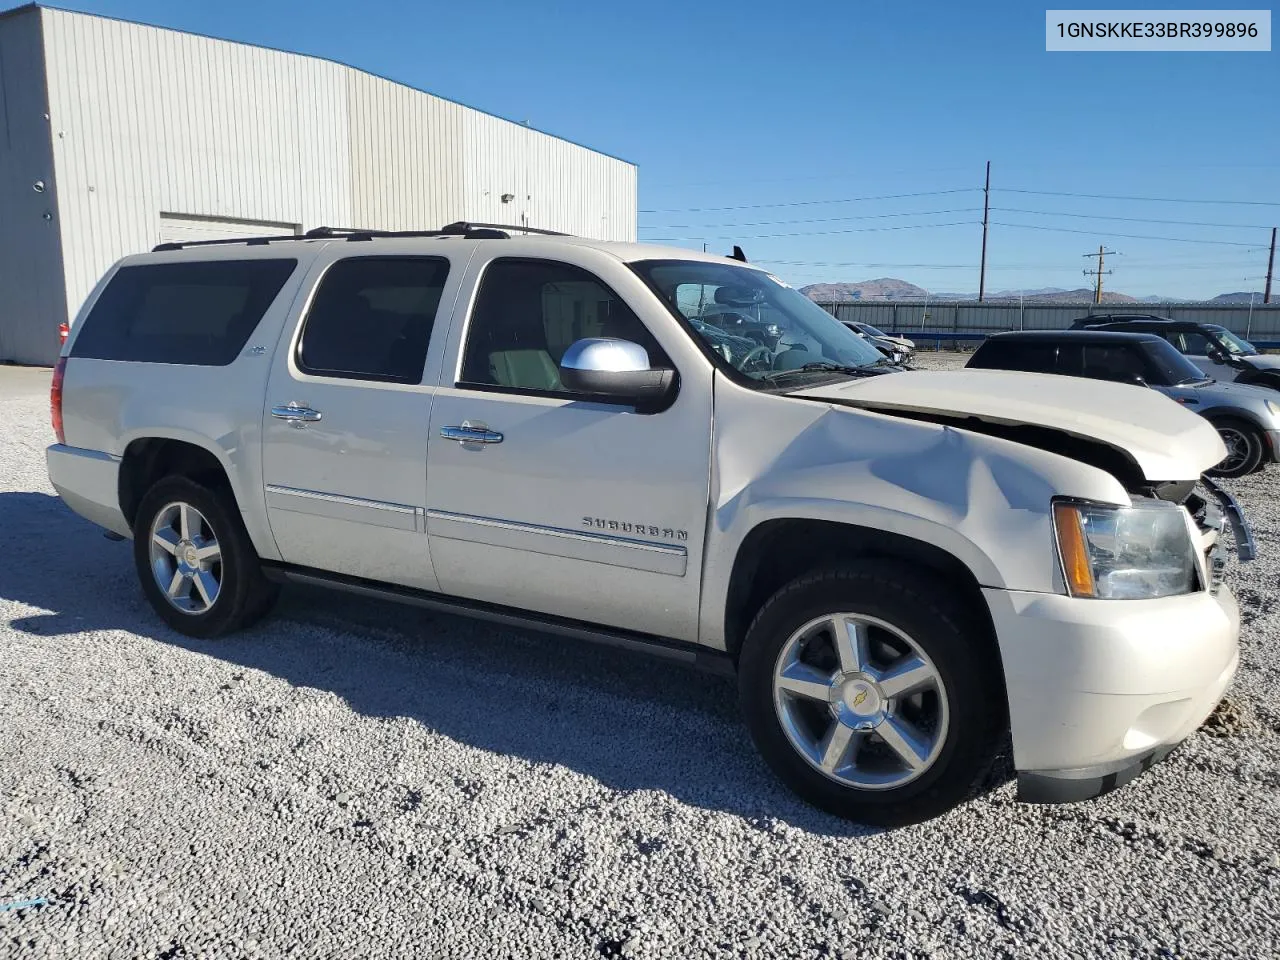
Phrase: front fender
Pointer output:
(984, 500)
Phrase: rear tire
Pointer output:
(1245, 447)
(195, 561)
(901, 726)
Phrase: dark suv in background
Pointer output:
(1247, 418)
(1217, 351)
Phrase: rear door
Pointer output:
(347, 411)
(1196, 347)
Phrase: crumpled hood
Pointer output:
(1166, 441)
(1263, 361)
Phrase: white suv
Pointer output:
(903, 569)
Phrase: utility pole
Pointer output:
(986, 209)
(1271, 263)
(1097, 290)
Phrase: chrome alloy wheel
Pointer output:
(186, 559)
(860, 701)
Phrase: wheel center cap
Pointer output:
(187, 553)
(857, 701)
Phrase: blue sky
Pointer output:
(788, 113)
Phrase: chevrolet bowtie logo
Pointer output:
(862, 695)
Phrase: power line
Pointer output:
(1126, 236)
(953, 210)
(815, 233)
(785, 223)
(1111, 196)
(1045, 265)
(811, 203)
(870, 266)
(1098, 216)
(821, 176)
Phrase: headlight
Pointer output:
(1125, 553)
(1273, 407)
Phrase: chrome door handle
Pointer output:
(470, 432)
(297, 414)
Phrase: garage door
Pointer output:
(179, 228)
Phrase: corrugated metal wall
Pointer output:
(148, 121)
(32, 297)
(1262, 323)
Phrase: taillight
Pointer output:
(64, 331)
(55, 399)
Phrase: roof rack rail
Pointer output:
(462, 228)
(250, 241)
(505, 227)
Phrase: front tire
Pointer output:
(1245, 447)
(871, 693)
(195, 561)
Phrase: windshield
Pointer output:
(760, 326)
(1170, 366)
(870, 331)
(1231, 343)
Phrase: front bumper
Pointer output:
(1100, 689)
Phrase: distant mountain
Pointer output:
(886, 288)
(1038, 292)
(889, 288)
(1082, 295)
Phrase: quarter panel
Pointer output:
(107, 404)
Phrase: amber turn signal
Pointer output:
(1075, 554)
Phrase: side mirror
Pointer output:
(615, 368)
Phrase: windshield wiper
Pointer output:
(823, 366)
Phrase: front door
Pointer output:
(544, 500)
(345, 426)
(1197, 348)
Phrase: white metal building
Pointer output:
(116, 136)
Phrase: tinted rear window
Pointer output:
(372, 317)
(198, 313)
(1015, 355)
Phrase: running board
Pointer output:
(690, 654)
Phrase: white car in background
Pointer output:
(898, 349)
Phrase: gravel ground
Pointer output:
(358, 780)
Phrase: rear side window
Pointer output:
(199, 313)
(1119, 363)
(371, 318)
(1194, 344)
(1015, 355)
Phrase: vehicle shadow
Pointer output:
(630, 722)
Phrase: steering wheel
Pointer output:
(753, 356)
